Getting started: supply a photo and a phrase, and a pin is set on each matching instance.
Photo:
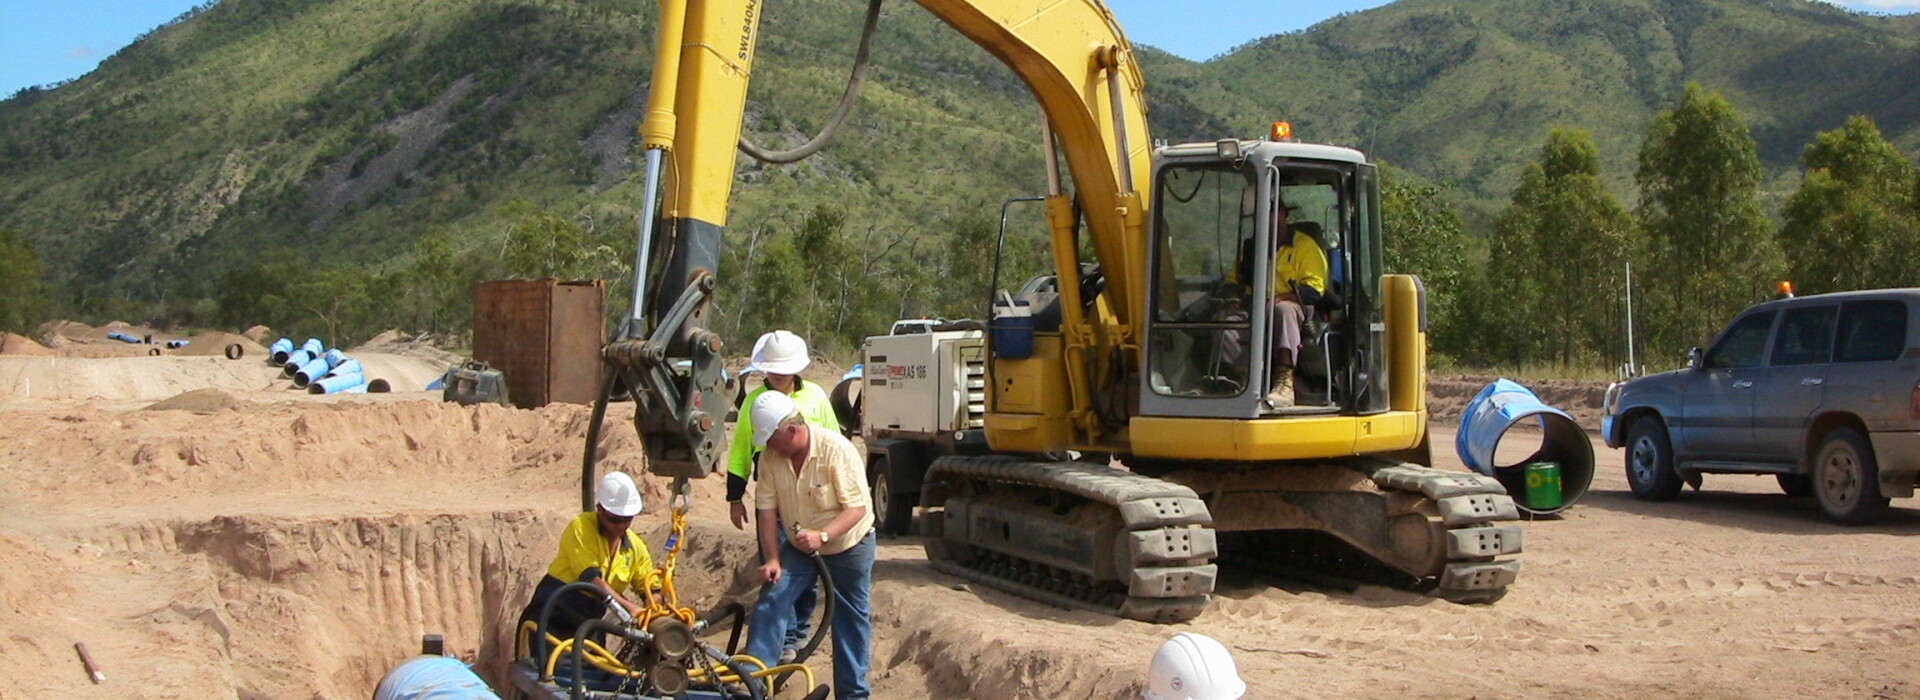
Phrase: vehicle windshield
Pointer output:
(1205, 214)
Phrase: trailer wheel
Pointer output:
(892, 509)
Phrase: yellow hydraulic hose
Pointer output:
(667, 604)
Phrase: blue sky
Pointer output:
(47, 41)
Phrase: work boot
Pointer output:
(1282, 394)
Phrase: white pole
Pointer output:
(1631, 370)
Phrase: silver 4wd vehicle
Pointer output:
(1823, 392)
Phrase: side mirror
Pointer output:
(1696, 358)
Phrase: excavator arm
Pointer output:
(1079, 67)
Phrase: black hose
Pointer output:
(538, 647)
(826, 620)
(579, 689)
(840, 113)
(592, 457)
(733, 609)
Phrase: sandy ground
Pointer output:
(278, 545)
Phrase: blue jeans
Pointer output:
(802, 611)
(852, 572)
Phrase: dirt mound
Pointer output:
(258, 334)
(120, 378)
(73, 329)
(198, 401)
(1448, 395)
(216, 342)
(16, 344)
(402, 372)
(393, 342)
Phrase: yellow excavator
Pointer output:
(1123, 448)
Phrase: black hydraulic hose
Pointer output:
(826, 621)
(579, 689)
(840, 113)
(539, 646)
(731, 609)
(592, 457)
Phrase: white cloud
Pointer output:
(80, 53)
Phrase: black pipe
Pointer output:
(593, 437)
(579, 689)
(733, 609)
(826, 620)
(546, 615)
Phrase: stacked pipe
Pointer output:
(323, 371)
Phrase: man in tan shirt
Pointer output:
(814, 481)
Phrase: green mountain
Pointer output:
(1464, 91)
(338, 132)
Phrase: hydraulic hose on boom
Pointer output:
(1071, 55)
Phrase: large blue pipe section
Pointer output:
(295, 361)
(1504, 404)
(432, 678)
(122, 337)
(323, 366)
(339, 384)
(314, 369)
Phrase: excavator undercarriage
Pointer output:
(1096, 537)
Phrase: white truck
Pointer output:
(922, 395)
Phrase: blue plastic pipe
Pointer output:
(314, 347)
(432, 678)
(334, 357)
(1501, 406)
(294, 362)
(340, 384)
(172, 344)
(122, 337)
(345, 367)
(312, 370)
(278, 353)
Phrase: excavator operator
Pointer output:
(1299, 281)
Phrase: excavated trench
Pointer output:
(323, 607)
(299, 550)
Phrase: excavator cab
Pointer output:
(1220, 215)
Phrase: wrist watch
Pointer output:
(824, 537)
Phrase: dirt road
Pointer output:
(292, 548)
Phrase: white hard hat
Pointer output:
(1194, 667)
(618, 495)
(767, 412)
(780, 352)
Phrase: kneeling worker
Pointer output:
(596, 547)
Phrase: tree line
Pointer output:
(1546, 285)
(1553, 287)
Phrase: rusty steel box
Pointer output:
(545, 335)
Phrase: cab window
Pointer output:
(1805, 337)
(1744, 343)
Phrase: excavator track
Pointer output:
(1092, 537)
(1480, 560)
(1072, 534)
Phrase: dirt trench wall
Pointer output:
(324, 607)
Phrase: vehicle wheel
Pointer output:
(1846, 478)
(1795, 485)
(1650, 461)
(892, 510)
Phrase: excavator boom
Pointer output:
(1154, 352)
